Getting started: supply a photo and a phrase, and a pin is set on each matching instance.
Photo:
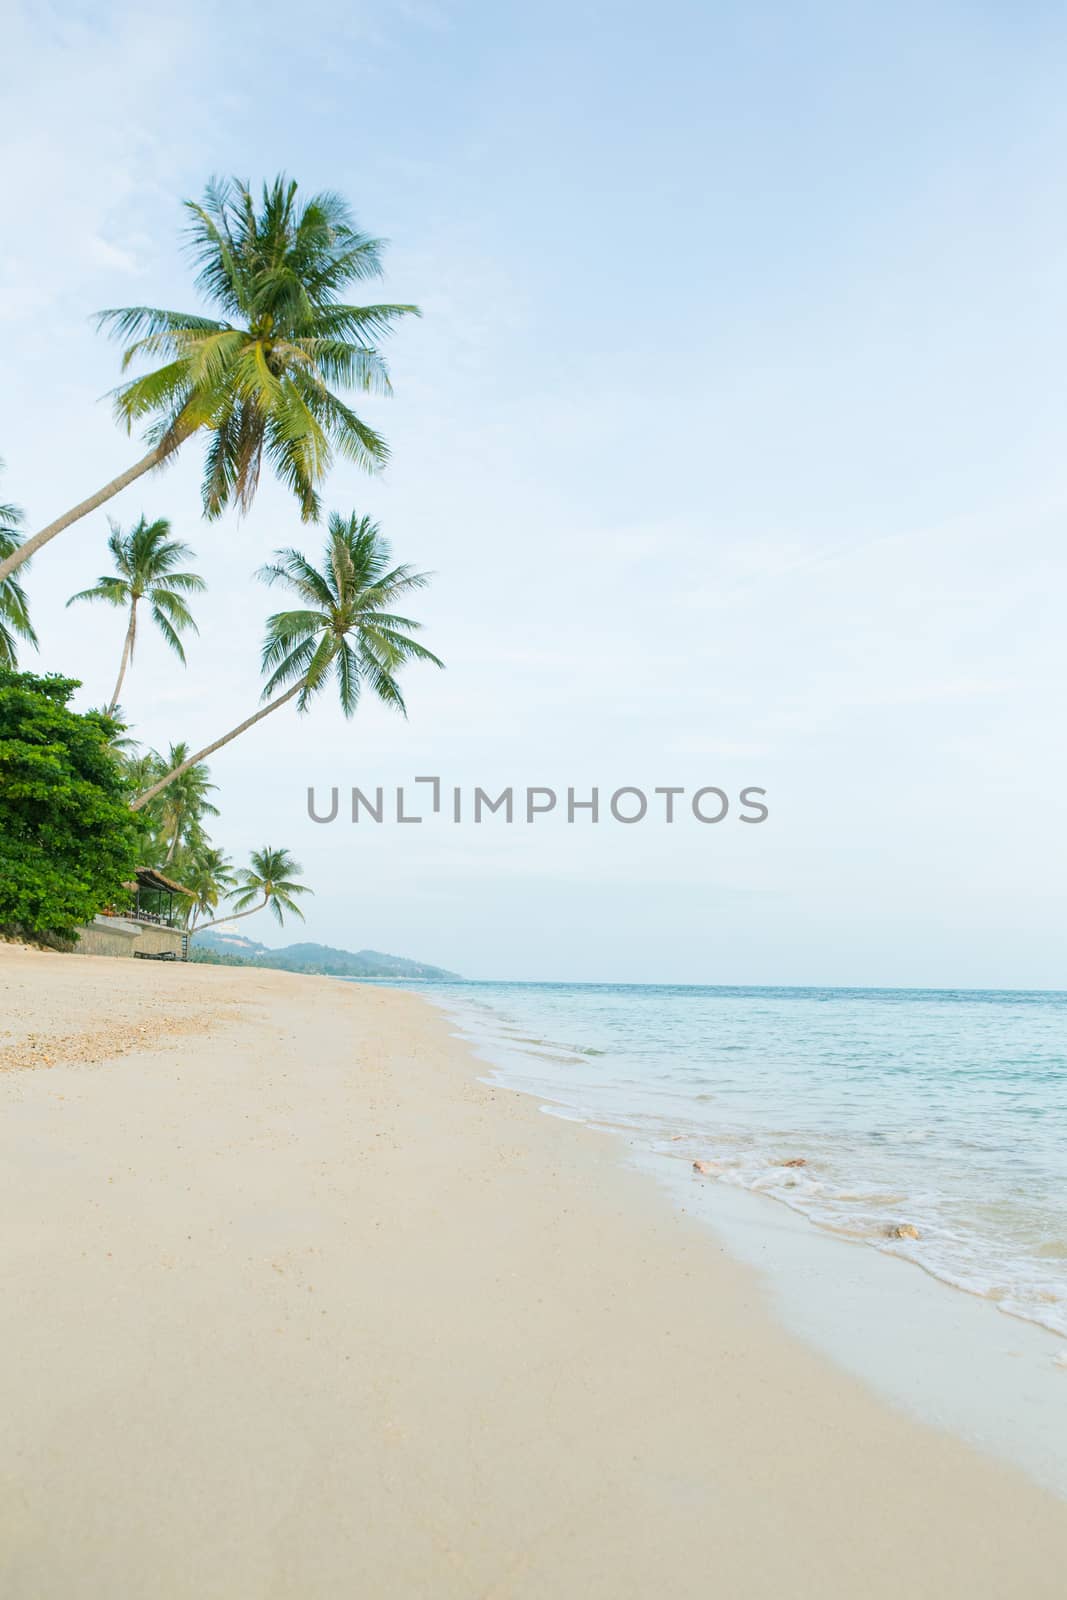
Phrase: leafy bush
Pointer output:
(68, 839)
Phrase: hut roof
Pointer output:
(149, 878)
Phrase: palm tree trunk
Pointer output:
(155, 458)
(234, 916)
(209, 749)
(127, 652)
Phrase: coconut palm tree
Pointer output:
(346, 630)
(209, 877)
(271, 875)
(141, 767)
(14, 609)
(258, 376)
(184, 804)
(145, 559)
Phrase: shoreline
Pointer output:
(299, 1304)
(874, 1309)
(850, 1190)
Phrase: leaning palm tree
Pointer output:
(145, 559)
(269, 876)
(258, 377)
(14, 609)
(346, 630)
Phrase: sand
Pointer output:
(296, 1306)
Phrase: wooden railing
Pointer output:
(158, 919)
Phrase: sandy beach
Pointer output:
(297, 1306)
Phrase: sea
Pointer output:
(929, 1125)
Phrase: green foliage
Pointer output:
(14, 608)
(323, 959)
(68, 839)
(267, 881)
(346, 628)
(177, 815)
(208, 873)
(216, 958)
(270, 875)
(145, 560)
(259, 376)
(176, 841)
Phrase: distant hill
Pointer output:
(233, 950)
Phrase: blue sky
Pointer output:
(734, 431)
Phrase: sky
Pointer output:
(733, 432)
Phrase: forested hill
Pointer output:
(229, 949)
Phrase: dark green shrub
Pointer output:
(68, 839)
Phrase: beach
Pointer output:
(298, 1305)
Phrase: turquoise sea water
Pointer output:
(945, 1111)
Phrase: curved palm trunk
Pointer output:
(209, 749)
(154, 458)
(127, 653)
(234, 916)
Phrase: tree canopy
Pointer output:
(68, 840)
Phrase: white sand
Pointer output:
(296, 1307)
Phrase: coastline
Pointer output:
(932, 1347)
(299, 1304)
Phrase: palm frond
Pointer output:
(318, 669)
(293, 568)
(173, 608)
(113, 591)
(399, 648)
(349, 678)
(169, 633)
(15, 621)
(291, 666)
(186, 582)
(355, 440)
